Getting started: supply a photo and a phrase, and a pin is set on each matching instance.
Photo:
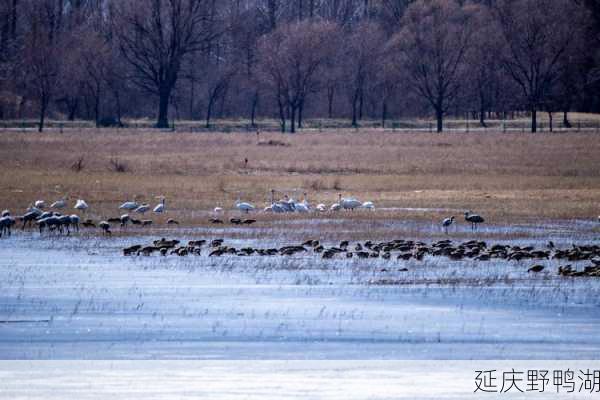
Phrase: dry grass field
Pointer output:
(511, 177)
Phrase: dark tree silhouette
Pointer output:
(155, 36)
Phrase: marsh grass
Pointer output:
(505, 176)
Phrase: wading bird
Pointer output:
(447, 222)
(59, 204)
(81, 205)
(129, 205)
(143, 208)
(350, 203)
(368, 205)
(105, 226)
(474, 219)
(337, 206)
(244, 207)
(160, 208)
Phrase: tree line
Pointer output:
(104, 60)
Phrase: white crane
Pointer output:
(302, 207)
(59, 204)
(160, 208)
(218, 210)
(5, 213)
(274, 208)
(337, 206)
(244, 207)
(321, 207)
(280, 206)
(81, 205)
(350, 203)
(288, 204)
(129, 206)
(368, 205)
(41, 204)
(143, 208)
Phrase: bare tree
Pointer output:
(157, 35)
(292, 57)
(386, 86)
(246, 30)
(42, 53)
(390, 12)
(432, 48)
(218, 78)
(8, 51)
(302, 58)
(538, 35)
(484, 70)
(362, 60)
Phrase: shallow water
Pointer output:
(78, 298)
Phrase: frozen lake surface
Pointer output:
(79, 298)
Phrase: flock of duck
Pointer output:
(399, 249)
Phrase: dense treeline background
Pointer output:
(106, 60)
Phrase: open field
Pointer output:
(506, 177)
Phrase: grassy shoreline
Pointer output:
(508, 177)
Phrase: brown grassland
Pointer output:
(507, 177)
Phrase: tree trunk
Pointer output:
(42, 115)
(293, 119)
(439, 116)
(383, 114)
(360, 106)
(566, 122)
(330, 94)
(211, 102)
(72, 106)
(88, 108)
(533, 120)
(163, 108)
(300, 110)
(118, 101)
(550, 120)
(281, 114)
(482, 115)
(355, 110)
(253, 109)
(97, 109)
(192, 96)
